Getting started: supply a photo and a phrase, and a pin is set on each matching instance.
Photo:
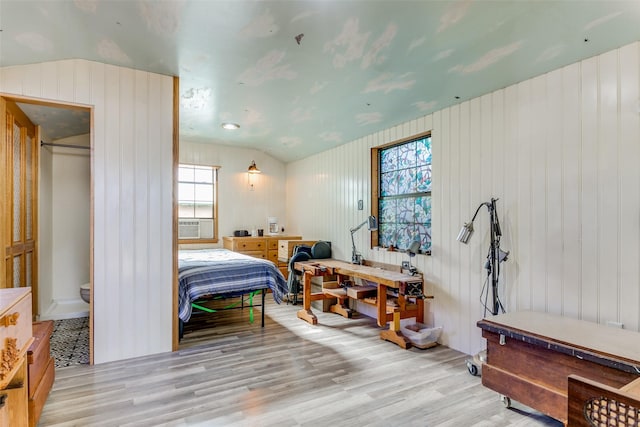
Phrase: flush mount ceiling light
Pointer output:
(230, 126)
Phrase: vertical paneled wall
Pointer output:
(560, 151)
(45, 230)
(132, 195)
(239, 206)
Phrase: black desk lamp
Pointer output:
(412, 250)
(372, 224)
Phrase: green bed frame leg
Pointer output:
(251, 295)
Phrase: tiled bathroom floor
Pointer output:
(70, 342)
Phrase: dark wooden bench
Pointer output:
(40, 369)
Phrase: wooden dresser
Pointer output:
(265, 247)
(15, 338)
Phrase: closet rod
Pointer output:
(64, 145)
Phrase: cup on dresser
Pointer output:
(260, 232)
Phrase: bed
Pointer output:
(207, 273)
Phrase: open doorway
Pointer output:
(63, 276)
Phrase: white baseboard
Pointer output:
(65, 308)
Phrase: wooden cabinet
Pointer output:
(265, 247)
(15, 338)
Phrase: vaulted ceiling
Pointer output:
(300, 77)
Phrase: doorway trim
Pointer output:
(90, 109)
(175, 337)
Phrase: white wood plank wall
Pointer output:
(561, 152)
(132, 163)
(241, 208)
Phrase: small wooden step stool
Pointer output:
(40, 369)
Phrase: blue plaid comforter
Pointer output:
(207, 272)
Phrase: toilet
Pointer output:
(85, 292)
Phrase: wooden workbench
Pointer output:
(530, 356)
(383, 279)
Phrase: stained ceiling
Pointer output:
(300, 77)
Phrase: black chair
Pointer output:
(294, 281)
(321, 250)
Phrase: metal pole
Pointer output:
(51, 144)
(494, 258)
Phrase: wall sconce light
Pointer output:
(252, 170)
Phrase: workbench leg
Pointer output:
(342, 306)
(306, 314)
(393, 334)
(381, 300)
(341, 309)
(420, 316)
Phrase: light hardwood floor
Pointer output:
(338, 373)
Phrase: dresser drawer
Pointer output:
(285, 247)
(273, 256)
(249, 245)
(255, 254)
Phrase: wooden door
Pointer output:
(19, 189)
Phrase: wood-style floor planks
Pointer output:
(229, 372)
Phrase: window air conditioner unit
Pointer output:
(188, 229)
(206, 228)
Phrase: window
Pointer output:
(197, 208)
(402, 193)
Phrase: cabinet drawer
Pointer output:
(272, 244)
(273, 256)
(285, 247)
(249, 245)
(255, 254)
